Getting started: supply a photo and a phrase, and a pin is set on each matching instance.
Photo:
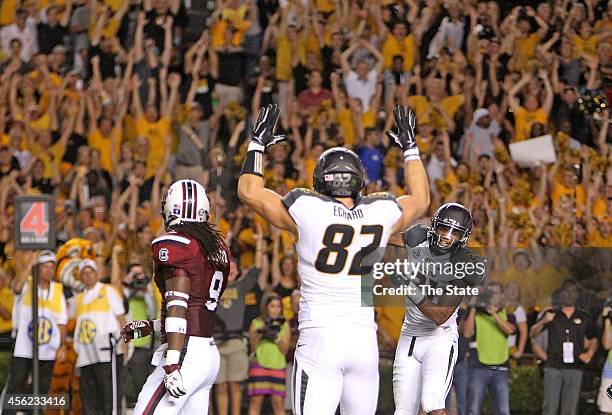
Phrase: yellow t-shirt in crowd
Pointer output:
(390, 320)
(596, 240)
(369, 118)
(247, 237)
(105, 146)
(284, 55)
(155, 133)
(527, 280)
(599, 208)
(585, 46)
(421, 106)
(325, 6)
(523, 120)
(7, 12)
(559, 191)
(348, 130)
(6, 301)
(524, 50)
(51, 156)
(550, 279)
(405, 47)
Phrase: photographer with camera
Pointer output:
(604, 402)
(139, 295)
(490, 325)
(572, 342)
(269, 337)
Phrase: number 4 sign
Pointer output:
(34, 222)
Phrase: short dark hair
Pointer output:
(132, 265)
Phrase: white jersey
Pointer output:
(331, 238)
(415, 322)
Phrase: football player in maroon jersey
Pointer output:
(191, 269)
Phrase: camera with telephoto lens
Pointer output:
(483, 300)
(271, 328)
(139, 281)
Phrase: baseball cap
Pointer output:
(46, 256)
(88, 263)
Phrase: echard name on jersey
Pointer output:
(342, 212)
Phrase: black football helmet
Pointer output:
(451, 219)
(338, 173)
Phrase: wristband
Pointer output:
(178, 303)
(176, 294)
(253, 163)
(253, 146)
(173, 357)
(412, 154)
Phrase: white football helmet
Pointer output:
(185, 201)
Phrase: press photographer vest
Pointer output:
(491, 341)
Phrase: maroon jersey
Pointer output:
(174, 250)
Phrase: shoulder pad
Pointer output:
(415, 235)
(294, 194)
(171, 250)
(373, 197)
(475, 274)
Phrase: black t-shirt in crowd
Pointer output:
(203, 95)
(144, 191)
(50, 37)
(107, 61)
(575, 329)
(231, 67)
(72, 146)
(43, 185)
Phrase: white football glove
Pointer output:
(173, 381)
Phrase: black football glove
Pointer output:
(262, 135)
(405, 136)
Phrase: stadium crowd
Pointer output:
(104, 103)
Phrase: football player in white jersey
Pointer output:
(336, 360)
(427, 349)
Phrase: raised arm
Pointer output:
(138, 38)
(548, 98)
(380, 62)
(251, 190)
(344, 59)
(136, 103)
(167, 54)
(416, 204)
(512, 101)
